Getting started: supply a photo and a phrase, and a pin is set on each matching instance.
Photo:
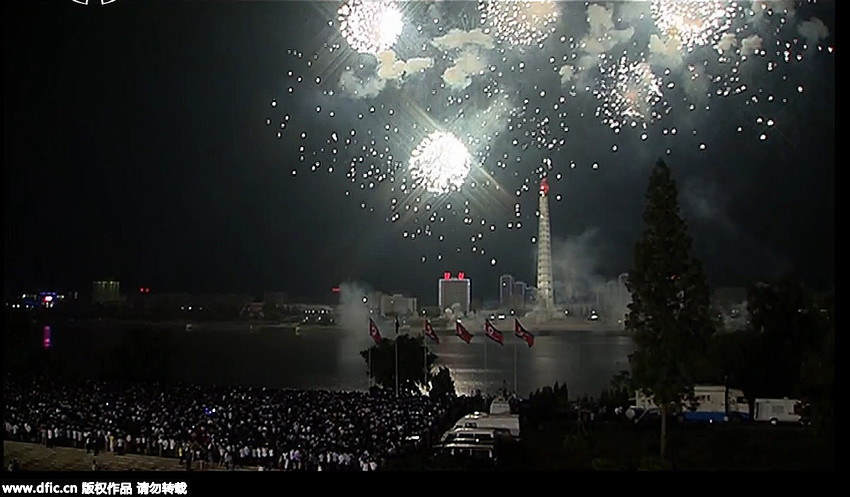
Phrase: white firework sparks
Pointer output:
(629, 91)
(693, 23)
(441, 162)
(519, 105)
(518, 22)
(370, 27)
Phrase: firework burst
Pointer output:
(370, 27)
(629, 93)
(693, 23)
(519, 23)
(440, 163)
(367, 124)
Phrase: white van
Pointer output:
(777, 411)
(714, 403)
(473, 455)
(500, 406)
(509, 422)
(469, 435)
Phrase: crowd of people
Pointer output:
(230, 427)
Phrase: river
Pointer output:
(313, 358)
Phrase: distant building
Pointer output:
(454, 291)
(398, 305)
(105, 291)
(518, 298)
(506, 291)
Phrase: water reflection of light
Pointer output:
(47, 343)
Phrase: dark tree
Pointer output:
(784, 316)
(619, 391)
(442, 385)
(817, 375)
(796, 346)
(670, 315)
(411, 362)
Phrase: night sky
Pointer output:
(141, 143)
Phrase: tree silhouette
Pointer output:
(442, 385)
(670, 315)
(411, 362)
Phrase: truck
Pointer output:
(775, 411)
(713, 403)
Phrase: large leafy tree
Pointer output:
(670, 316)
(411, 362)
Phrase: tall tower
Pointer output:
(545, 300)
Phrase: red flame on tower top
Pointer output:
(544, 187)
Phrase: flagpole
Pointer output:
(515, 389)
(396, 365)
(424, 360)
(485, 369)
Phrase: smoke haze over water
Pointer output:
(577, 282)
(353, 313)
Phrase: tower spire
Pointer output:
(545, 300)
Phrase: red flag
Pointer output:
(522, 333)
(492, 332)
(462, 333)
(429, 332)
(373, 330)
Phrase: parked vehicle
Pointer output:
(465, 456)
(712, 403)
(469, 435)
(509, 422)
(500, 406)
(775, 411)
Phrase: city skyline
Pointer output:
(139, 147)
